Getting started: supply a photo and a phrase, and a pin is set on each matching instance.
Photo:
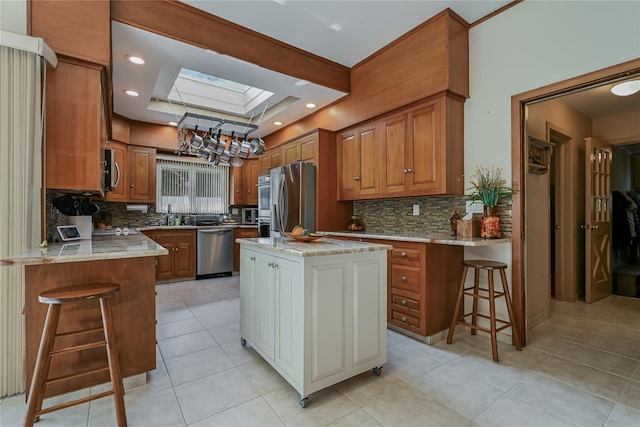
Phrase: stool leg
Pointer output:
(459, 302)
(507, 299)
(492, 315)
(474, 312)
(43, 361)
(114, 365)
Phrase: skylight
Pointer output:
(215, 93)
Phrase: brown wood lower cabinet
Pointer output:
(241, 233)
(181, 260)
(422, 284)
(133, 312)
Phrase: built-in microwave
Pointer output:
(249, 215)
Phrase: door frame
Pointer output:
(519, 169)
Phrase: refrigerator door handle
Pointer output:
(281, 208)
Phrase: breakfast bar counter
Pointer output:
(129, 262)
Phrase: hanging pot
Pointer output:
(257, 146)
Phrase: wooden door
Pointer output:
(276, 158)
(251, 182)
(142, 179)
(185, 256)
(120, 193)
(368, 164)
(237, 186)
(425, 150)
(291, 153)
(347, 153)
(308, 148)
(164, 266)
(265, 163)
(598, 282)
(393, 134)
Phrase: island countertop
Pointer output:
(98, 248)
(442, 239)
(325, 246)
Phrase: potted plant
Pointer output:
(488, 187)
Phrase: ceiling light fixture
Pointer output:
(135, 59)
(626, 88)
(336, 27)
(131, 92)
(277, 123)
(173, 124)
(310, 105)
(301, 83)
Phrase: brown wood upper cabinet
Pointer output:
(142, 174)
(244, 181)
(76, 127)
(422, 152)
(120, 192)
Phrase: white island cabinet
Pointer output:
(315, 311)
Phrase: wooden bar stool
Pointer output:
(55, 298)
(491, 295)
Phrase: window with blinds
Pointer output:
(190, 186)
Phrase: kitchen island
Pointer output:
(314, 311)
(128, 261)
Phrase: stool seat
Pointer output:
(484, 264)
(489, 294)
(55, 298)
(75, 293)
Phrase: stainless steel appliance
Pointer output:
(264, 196)
(293, 197)
(249, 215)
(111, 175)
(264, 227)
(214, 247)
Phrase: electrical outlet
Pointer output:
(416, 209)
(474, 207)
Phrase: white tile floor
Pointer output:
(582, 367)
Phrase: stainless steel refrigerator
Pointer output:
(293, 197)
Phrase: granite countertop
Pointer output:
(325, 246)
(442, 239)
(98, 248)
(194, 227)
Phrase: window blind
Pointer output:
(190, 186)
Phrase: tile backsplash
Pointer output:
(396, 215)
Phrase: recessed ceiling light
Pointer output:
(335, 26)
(278, 123)
(135, 59)
(173, 124)
(310, 105)
(301, 83)
(626, 88)
(131, 92)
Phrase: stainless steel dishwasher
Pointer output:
(215, 250)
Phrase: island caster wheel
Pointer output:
(243, 342)
(377, 370)
(303, 402)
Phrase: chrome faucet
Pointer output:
(169, 216)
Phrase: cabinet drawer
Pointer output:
(410, 254)
(246, 234)
(405, 277)
(404, 318)
(401, 301)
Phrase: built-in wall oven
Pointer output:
(264, 227)
(264, 196)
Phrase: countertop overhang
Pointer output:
(326, 246)
(442, 239)
(98, 248)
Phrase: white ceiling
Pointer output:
(364, 28)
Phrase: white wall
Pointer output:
(531, 45)
(13, 16)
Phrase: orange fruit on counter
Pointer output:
(297, 230)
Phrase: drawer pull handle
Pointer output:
(403, 278)
(403, 302)
(403, 254)
(252, 258)
(404, 318)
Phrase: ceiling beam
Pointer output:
(187, 24)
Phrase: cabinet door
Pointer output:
(237, 186)
(393, 137)
(252, 170)
(308, 148)
(164, 266)
(142, 178)
(247, 294)
(276, 158)
(289, 318)
(368, 169)
(74, 124)
(185, 255)
(120, 192)
(425, 150)
(347, 166)
(291, 153)
(265, 303)
(265, 163)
